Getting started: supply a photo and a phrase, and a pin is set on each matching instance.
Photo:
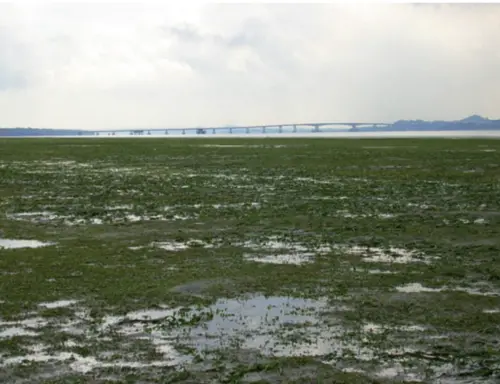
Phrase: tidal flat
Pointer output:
(250, 260)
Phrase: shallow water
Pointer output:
(275, 326)
(13, 244)
(58, 304)
(390, 255)
(287, 258)
(418, 288)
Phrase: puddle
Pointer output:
(251, 323)
(58, 304)
(378, 328)
(475, 291)
(417, 288)
(326, 198)
(292, 252)
(119, 215)
(14, 244)
(421, 206)
(398, 372)
(315, 181)
(374, 271)
(136, 248)
(175, 246)
(120, 207)
(480, 221)
(349, 215)
(172, 246)
(296, 259)
(389, 255)
(275, 326)
(491, 311)
(273, 243)
(16, 331)
(24, 327)
(236, 205)
(82, 364)
(32, 322)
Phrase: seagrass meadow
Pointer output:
(150, 260)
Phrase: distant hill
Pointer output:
(471, 123)
(475, 119)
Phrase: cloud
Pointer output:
(92, 65)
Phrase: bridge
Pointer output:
(281, 128)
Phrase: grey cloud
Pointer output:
(13, 62)
(250, 63)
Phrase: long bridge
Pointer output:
(281, 128)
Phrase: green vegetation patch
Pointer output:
(249, 260)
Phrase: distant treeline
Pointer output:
(42, 132)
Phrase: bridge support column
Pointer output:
(183, 131)
(230, 130)
(316, 128)
(213, 131)
(280, 129)
(294, 129)
(263, 129)
(166, 131)
(247, 130)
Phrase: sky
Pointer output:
(144, 64)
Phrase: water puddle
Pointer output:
(374, 271)
(398, 372)
(386, 255)
(326, 198)
(31, 322)
(236, 205)
(14, 244)
(258, 322)
(282, 252)
(58, 304)
(418, 288)
(84, 365)
(275, 326)
(290, 258)
(349, 215)
(118, 215)
(480, 221)
(315, 181)
(373, 328)
(491, 311)
(175, 246)
(16, 331)
(24, 327)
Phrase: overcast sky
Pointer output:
(186, 64)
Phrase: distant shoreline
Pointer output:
(493, 134)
